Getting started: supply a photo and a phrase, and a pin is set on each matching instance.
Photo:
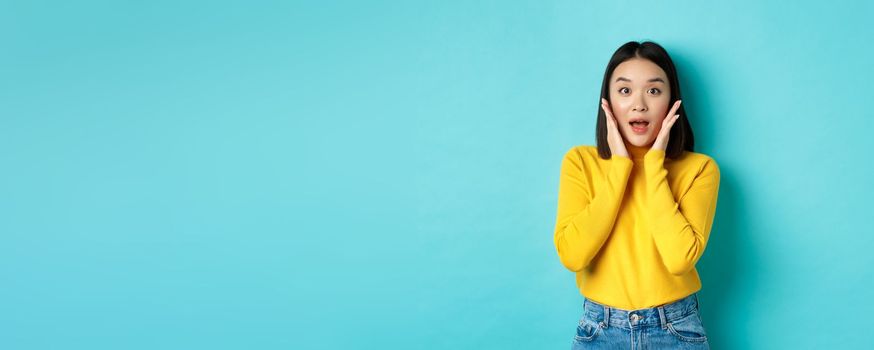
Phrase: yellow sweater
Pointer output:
(633, 228)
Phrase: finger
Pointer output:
(606, 107)
(613, 123)
(669, 123)
(607, 113)
(675, 107)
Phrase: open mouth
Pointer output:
(639, 127)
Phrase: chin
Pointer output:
(640, 140)
(641, 144)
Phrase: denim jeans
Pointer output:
(676, 325)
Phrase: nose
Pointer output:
(639, 103)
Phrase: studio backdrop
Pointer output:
(384, 174)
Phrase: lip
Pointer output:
(640, 130)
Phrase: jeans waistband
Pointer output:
(659, 315)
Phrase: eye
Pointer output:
(621, 90)
(657, 91)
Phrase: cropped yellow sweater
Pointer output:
(633, 228)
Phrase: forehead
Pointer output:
(638, 70)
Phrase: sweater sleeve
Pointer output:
(680, 230)
(586, 217)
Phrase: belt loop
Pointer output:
(606, 316)
(662, 317)
(697, 304)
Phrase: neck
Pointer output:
(636, 152)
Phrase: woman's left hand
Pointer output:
(661, 142)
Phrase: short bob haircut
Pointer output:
(681, 138)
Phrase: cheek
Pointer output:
(619, 108)
(663, 106)
(658, 125)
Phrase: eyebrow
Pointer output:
(648, 81)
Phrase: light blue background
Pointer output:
(384, 175)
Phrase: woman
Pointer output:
(635, 211)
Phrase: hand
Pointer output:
(614, 138)
(661, 142)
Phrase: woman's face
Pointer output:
(639, 90)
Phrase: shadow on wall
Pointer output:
(724, 284)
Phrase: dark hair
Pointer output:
(681, 138)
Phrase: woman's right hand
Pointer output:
(614, 138)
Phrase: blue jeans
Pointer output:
(676, 325)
